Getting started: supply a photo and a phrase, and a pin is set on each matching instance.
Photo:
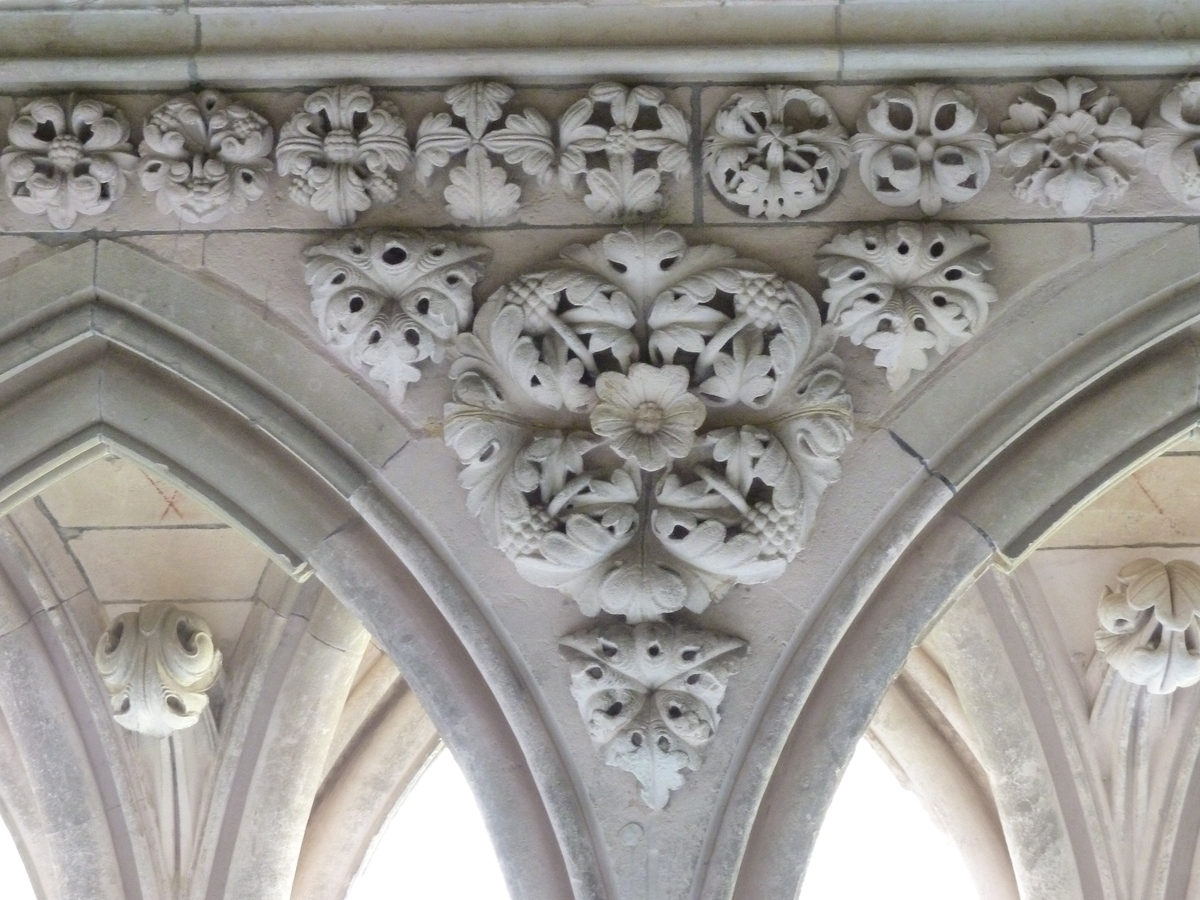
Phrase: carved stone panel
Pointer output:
(1172, 139)
(648, 424)
(649, 695)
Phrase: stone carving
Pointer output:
(1069, 144)
(204, 157)
(1172, 139)
(906, 289)
(926, 145)
(639, 137)
(479, 191)
(157, 664)
(67, 160)
(649, 695)
(775, 152)
(343, 152)
(649, 424)
(1148, 628)
(387, 301)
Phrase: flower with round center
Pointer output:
(65, 151)
(648, 415)
(1072, 136)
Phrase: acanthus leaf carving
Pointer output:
(1070, 144)
(386, 302)
(649, 424)
(66, 160)
(479, 192)
(907, 289)
(343, 152)
(1172, 139)
(776, 152)
(650, 697)
(204, 157)
(157, 664)
(1149, 630)
(639, 136)
(926, 145)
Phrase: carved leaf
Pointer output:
(1172, 139)
(479, 192)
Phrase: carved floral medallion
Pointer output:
(648, 424)
(1172, 139)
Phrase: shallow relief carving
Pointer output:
(649, 424)
(649, 695)
(386, 302)
(157, 664)
(1172, 139)
(907, 289)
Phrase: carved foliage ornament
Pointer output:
(1172, 139)
(204, 157)
(157, 664)
(479, 191)
(925, 145)
(649, 696)
(907, 289)
(343, 152)
(649, 424)
(622, 141)
(387, 301)
(1069, 144)
(776, 152)
(1148, 626)
(68, 159)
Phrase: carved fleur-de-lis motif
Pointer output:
(1069, 144)
(386, 302)
(925, 145)
(1172, 139)
(649, 695)
(907, 289)
(343, 152)
(649, 424)
(157, 664)
(479, 192)
(204, 157)
(640, 138)
(776, 152)
(67, 160)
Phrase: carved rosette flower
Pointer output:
(907, 289)
(479, 192)
(640, 138)
(387, 301)
(1148, 627)
(343, 152)
(648, 425)
(1172, 139)
(1069, 145)
(204, 157)
(67, 160)
(776, 152)
(157, 664)
(925, 145)
(649, 695)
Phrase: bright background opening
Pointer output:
(14, 879)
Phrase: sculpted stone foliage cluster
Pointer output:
(158, 663)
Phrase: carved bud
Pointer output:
(1148, 628)
(157, 664)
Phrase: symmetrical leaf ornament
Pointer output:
(157, 664)
(343, 152)
(1069, 144)
(204, 157)
(1148, 627)
(67, 160)
(649, 696)
(775, 152)
(649, 424)
(1172, 139)
(640, 138)
(387, 301)
(925, 145)
(906, 289)
(479, 191)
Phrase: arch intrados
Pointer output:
(77, 366)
